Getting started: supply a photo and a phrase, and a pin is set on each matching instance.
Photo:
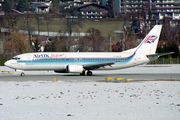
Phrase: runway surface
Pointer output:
(95, 77)
(145, 72)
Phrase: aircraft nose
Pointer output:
(7, 63)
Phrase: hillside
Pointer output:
(106, 27)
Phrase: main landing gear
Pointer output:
(89, 73)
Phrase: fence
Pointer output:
(166, 61)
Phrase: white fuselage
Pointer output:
(59, 60)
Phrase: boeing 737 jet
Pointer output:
(80, 62)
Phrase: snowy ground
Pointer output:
(48, 100)
(89, 100)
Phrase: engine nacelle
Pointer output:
(74, 68)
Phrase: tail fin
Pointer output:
(149, 43)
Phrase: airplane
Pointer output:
(80, 62)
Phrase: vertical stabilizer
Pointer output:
(149, 43)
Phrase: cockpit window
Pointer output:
(15, 58)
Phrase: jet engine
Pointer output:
(74, 68)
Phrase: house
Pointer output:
(43, 41)
(73, 45)
(42, 46)
(40, 7)
(93, 10)
(88, 8)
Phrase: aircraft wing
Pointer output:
(98, 65)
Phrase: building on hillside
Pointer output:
(93, 11)
(88, 8)
(161, 9)
(155, 10)
(89, 1)
(117, 7)
(40, 7)
(99, 2)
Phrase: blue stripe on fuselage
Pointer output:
(61, 61)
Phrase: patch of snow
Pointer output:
(90, 100)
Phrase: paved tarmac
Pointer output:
(145, 72)
(95, 77)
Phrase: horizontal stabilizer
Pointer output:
(160, 54)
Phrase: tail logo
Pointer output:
(151, 39)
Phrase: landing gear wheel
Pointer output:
(89, 73)
(22, 74)
(83, 73)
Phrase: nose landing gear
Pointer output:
(22, 74)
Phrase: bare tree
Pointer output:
(38, 20)
(117, 47)
(169, 33)
(72, 20)
(97, 41)
(111, 12)
(16, 44)
(26, 20)
(47, 22)
(57, 45)
(72, 24)
(140, 17)
(84, 44)
(9, 21)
